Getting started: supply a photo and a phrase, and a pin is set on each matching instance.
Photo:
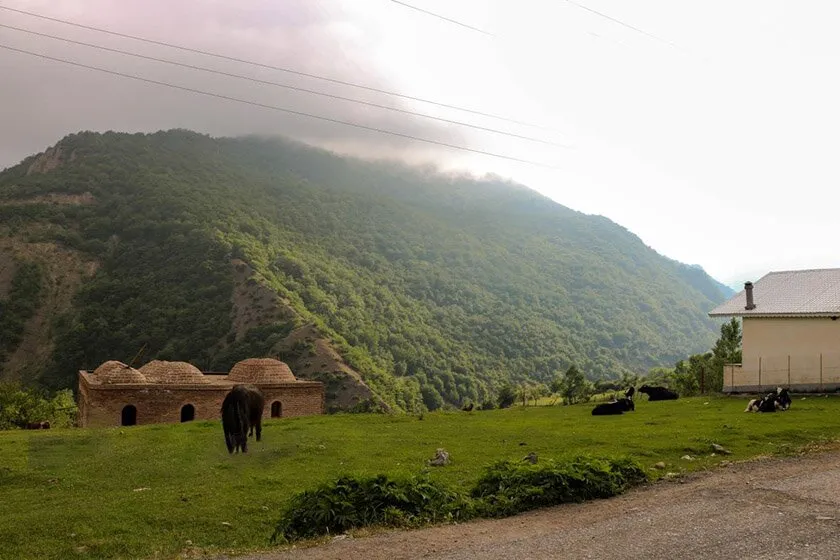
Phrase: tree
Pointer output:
(728, 346)
(727, 350)
(507, 396)
(575, 387)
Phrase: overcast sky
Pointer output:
(710, 131)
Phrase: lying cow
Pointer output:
(771, 402)
(783, 398)
(616, 407)
(658, 393)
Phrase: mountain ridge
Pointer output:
(434, 288)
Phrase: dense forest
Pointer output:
(435, 288)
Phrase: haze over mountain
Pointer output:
(399, 287)
(670, 136)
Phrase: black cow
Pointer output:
(630, 392)
(783, 398)
(616, 407)
(771, 402)
(242, 411)
(658, 393)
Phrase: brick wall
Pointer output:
(102, 405)
(298, 399)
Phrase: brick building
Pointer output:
(168, 392)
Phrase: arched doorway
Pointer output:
(187, 413)
(276, 409)
(129, 415)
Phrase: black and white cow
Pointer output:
(658, 393)
(630, 392)
(771, 402)
(617, 407)
(783, 398)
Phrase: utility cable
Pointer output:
(441, 17)
(287, 86)
(276, 108)
(279, 69)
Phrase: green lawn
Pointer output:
(157, 491)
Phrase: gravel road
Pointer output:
(770, 508)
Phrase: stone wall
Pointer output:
(102, 405)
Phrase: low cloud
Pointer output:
(43, 100)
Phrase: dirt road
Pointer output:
(772, 508)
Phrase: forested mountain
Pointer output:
(432, 288)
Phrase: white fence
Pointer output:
(809, 373)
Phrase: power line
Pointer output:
(279, 68)
(618, 21)
(442, 17)
(276, 108)
(287, 86)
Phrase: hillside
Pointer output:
(398, 287)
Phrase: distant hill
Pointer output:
(399, 287)
(726, 290)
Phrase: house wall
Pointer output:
(802, 353)
(101, 406)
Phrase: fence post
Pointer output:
(821, 377)
(759, 374)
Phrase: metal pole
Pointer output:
(759, 374)
(788, 370)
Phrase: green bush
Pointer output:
(350, 502)
(20, 406)
(507, 487)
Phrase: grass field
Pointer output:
(164, 490)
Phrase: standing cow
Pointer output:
(242, 411)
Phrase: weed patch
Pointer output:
(349, 503)
(505, 489)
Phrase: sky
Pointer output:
(707, 129)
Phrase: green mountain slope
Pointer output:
(433, 288)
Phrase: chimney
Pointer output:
(748, 286)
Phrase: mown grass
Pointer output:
(159, 491)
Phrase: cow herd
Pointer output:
(626, 404)
(771, 402)
(242, 409)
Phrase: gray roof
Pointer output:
(813, 293)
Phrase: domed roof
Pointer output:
(261, 370)
(174, 373)
(114, 371)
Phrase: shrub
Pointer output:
(350, 502)
(19, 406)
(507, 396)
(507, 487)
